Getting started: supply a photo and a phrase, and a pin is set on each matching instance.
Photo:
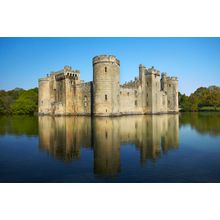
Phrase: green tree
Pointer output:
(202, 95)
(2, 109)
(194, 102)
(26, 103)
(183, 101)
(7, 98)
(214, 97)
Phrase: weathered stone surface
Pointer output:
(63, 93)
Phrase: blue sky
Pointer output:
(195, 61)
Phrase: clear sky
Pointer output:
(195, 61)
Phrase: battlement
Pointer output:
(66, 72)
(68, 69)
(172, 78)
(142, 66)
(105, 58)
(131, 84)
(153, 71)
(43, 79)
(164, 75)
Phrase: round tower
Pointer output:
(106, 87)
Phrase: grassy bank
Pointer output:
(202, 109)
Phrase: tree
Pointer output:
(214, 97)
(26, 103)
(183, 101)
(202, 95)
(194, 102)
(2, 109)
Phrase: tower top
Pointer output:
(164, 74)
(153, 71)
(105, 58)
(141, 66)
(172, 78)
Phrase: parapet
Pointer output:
(66, 72)
(105, 58)
(142, 66)
(152, 70)
(68, 69)
(164, 75)
(131, 84)
(43, 79)
(173, 78)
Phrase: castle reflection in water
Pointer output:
(63, 137)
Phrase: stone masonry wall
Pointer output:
(63, 93)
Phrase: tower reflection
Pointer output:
(63, 137)
(106, 146)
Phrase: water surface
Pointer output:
(159, 148)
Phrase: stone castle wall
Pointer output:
(130, 101)
(63, 93)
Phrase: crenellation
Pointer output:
(64, 93)
(153, 71)
(131, 84)
(105, 58)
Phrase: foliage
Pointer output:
(18, 101)
(209, 108)
(202, 99)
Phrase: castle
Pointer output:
(63, 93)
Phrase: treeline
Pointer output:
(19, 101)
(203, 99)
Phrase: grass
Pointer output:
(203, 109)
(209, 108)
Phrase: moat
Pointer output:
(144, 148)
